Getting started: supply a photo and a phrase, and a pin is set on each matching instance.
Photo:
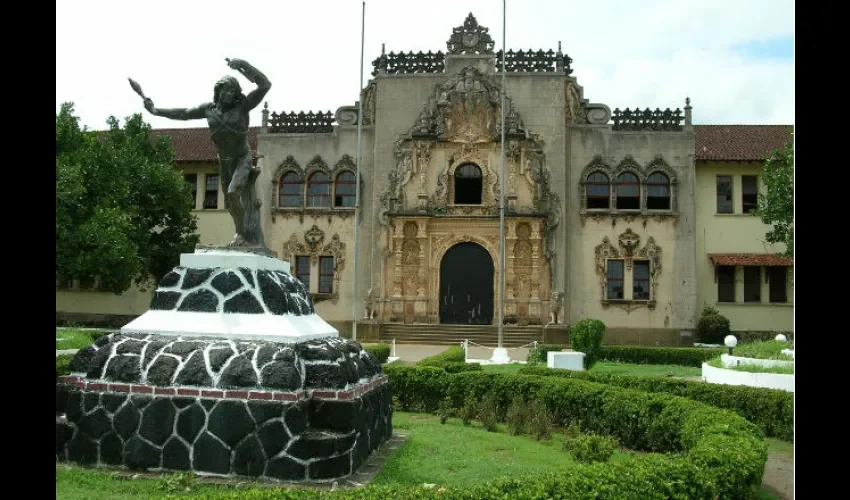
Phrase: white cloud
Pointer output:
(626, 53)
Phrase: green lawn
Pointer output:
(73, 339)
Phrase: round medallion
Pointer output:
(470, 39)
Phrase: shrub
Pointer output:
(539, 420)
(712, 327)
(469, 410)
(453, 354)
(445, 410)
(538, 355)
(457, 367)
(487, 413)
(63, 362)
(517, 418)
(591, 447)
(586, 336)
(380, 351)
(645, 355)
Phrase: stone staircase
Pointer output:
(486, 335)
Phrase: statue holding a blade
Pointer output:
(227, 116)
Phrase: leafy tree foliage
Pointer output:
(123, 212)
(776, 207)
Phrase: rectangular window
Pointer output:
(778, 284)
(749, 193)
(752, 284)
(725, 283)
(615, 279)
(302, 269)
(211, 195)
(326, 274)
(192, 182)
(640, 279)
(724, 194)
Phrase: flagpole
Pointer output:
(354, 301)
(502, 190)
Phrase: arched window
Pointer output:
(598, 188)
(658, 192)
(628, 192)
(345, 190)
(468, 184)
(318, 190)
(290, 191)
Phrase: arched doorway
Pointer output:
(466, 285)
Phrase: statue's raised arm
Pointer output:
(254, 76)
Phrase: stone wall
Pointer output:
(312, 411)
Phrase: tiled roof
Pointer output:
(750, 259)
(194, 144)
(739, 142)
(713, 142)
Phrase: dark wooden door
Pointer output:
(466, 285)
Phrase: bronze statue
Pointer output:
(228, 117)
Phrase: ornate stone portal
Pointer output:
(426, 211)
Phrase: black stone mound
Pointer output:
(331, 363)
(230, 290)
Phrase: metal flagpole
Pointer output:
(502, 191)
(354, 301)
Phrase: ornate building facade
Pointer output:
(601, 215)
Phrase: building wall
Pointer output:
(672, 231)
(735, 233)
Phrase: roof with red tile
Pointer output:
(713, 142)
(195, 145)
(750, 259)
(739, 142)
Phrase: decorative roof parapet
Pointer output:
(648, 120)
(409, 63)
(301, 123)
(531, 61)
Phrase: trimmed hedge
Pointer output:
(453, 354)
(720, 454)
(63, 361)
(380, 351)
(770, 409)
(642, 355)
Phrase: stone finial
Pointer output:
(383, 49)
(265, 125)
(688, 111)
(559, 60)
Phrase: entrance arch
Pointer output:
(466, 285)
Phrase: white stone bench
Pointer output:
(569, 360)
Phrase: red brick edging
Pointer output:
(324, 394)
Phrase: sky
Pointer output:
(733, 58)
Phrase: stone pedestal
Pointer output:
(235, 295)
(568, 360)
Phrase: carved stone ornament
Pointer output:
(628, 242)
(603, 252)
(470, 38)
(314, 237)
(336, 248)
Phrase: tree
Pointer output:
(776, 206)
(123, 212)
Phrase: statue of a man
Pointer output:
(227, 117)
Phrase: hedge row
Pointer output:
(453, 354)
(770, 409)
(539, 355)
(719, 453)
(642, 355)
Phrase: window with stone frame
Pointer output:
(724, 194)
(752, 284)
(211, 192)
(628, 192)
(302, 269)
(657, 192)
(749, 193)
(468, 185)
(318, 190)
(345, 190)
(640, 280)
(778, 278)
(326, 274)
(615, 279)
(598, 191)
(725, 283)
(291, 191)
